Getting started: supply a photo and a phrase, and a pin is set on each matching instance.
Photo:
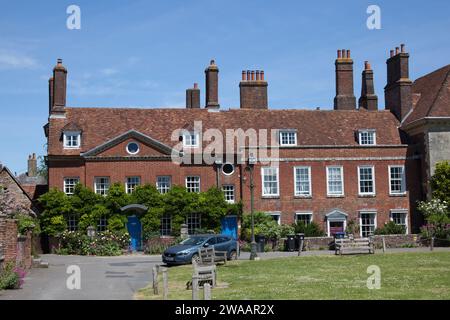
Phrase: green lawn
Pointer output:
(403, 276)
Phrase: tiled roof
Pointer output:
(314, 127)
(431, 96)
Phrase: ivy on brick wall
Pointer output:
(86, 207)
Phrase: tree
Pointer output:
(440, 181)
(56, 205)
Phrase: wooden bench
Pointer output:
(209, 256)
(350, 245)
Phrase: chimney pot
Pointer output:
(339, 54)
(212, 62)
(397, 50)
(195, 85)
(253, 75)
(366, 65)
(262, 75)
(392, 53)
(258, 75)
(402, 46)
(348, 54)
(243, 75)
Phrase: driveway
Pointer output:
(102, 278)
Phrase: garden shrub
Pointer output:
(11, 277)
(310, 229)
(390, 228)
(437, 216)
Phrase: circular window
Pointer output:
(228, 169)
(132, 148)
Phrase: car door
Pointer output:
(222, 243)
(212, 242)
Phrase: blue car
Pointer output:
(187, 250)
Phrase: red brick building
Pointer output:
(350, 163)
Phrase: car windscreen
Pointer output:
(194, 241)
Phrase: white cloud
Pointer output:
(109, 71)
(12, 60)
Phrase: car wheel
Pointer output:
(233, 255)
(195, 259)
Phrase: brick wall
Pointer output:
(8, 238)
(23, 251)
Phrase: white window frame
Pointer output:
(65, 185)
(403, 182)
(129, 189)
(368, 131)
(275, 214)
(402, 211)
(306, 213)
(199, 183)
(330, 194)
(296, 193)
(190, 135)
(373, 193)
(277, 194)
(96, 190)
(164, 189)
(288, 132)
(374, 220)
(66, 134)
(72, 222)
(102, 224)
(226, 192)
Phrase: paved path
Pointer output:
(105, 278)
(102, 278)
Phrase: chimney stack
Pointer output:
(253, 89)
(193, 97)
(212, 86)
(368, 99)
(345, 98)
(59, 87)
(32, 165)
(397, 92)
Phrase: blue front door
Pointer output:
(230, 226)
(135, 230)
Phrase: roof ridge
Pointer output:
(439, 91)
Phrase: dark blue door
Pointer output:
(230, 226)
(135, 230)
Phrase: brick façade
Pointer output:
(325, 138)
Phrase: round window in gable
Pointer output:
(228, 169)
(132, 148)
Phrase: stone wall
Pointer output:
(392, 241)
(23, 257)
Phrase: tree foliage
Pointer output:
(88, 207)
(440, 181)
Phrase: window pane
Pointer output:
(102, 224)
(163, 184)
(101, 185)
(367, 137)
(228, 191)
(397, 179)
(69, 185)
(399, 218)
(366, 180)
(193, 184)
(335, 183)
(302, 181)
(132, 183)
(303, 217)
(270, 181)
(193, 222)
(367, 224)
(166, 225)
(288, 138)
(72, 223)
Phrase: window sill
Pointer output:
(71, 148)
(270, 197)
(367, 195)
(335, 196)
(302, 197)
(397, 195)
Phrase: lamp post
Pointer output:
(250, 167)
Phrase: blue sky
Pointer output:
(146, 53)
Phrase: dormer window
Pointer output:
(288, 138)
(367, 137)
(72, 139)
(191, 140)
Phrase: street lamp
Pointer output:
(250, 167)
